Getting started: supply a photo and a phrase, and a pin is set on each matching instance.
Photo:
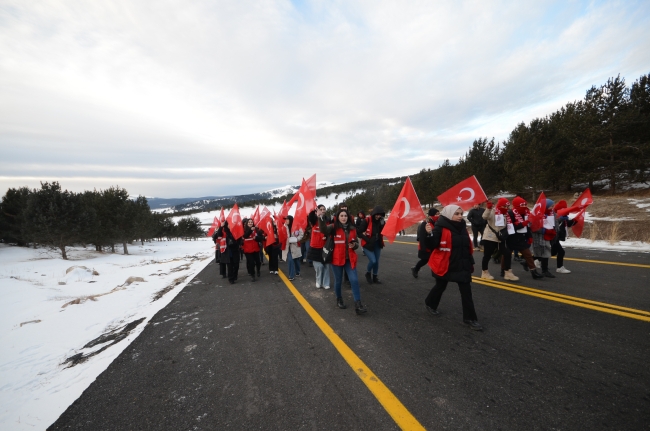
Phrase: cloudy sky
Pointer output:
(196, 98)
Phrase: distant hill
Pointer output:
(160, 203)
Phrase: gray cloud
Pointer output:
(212, 98)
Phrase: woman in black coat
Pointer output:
(455, 265)
(231, 256)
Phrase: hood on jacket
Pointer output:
(378, 210)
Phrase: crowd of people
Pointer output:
(444, 245)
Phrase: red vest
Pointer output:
(250, 244)
(317, 238)
(340, 245)
(222, 244)
(439, 259)
(368, 233)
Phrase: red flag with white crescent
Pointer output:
(579, 223)
(266, 224)
(536, 215)
(465, 194)
(310, 193)
(222, 218)
(264, 212)
(215, 226)
(256, 215)
(584, 200)
(406, 212)
(235, 223)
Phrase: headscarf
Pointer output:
(449, 211)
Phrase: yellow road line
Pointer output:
(603, 262)
(565, 299)
(404, 419)
(560, 295)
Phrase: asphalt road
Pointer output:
(249, 356)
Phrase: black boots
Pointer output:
(340, 304)
(473, 324)
(359, 307)
(536, 275)
(414, 272)
(368, 278)
(548, 274)
(375, 279)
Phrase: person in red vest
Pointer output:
(423, 252)
(229, 248)
(451, 260)
(344, 257)
(315, 251)
(273, 250)
(372, 242)
(252, 238)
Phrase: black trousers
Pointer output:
(423, 261)
(558, 250)
(489, 247)
(274, 255)
(233, 268)
(476, 230)
(433, 299)
(253, 263)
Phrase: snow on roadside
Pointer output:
(38, 331)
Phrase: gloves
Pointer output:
(489, 205)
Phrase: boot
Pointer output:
(359, 307)
(368, 278)
(253, 276)
(486, 275)
(415, 272)
(510, 276)
(536, 275)
(524, 264)
(548, 274)
(375, 279)
(340, 304)
(258, 273)
(473, 324)
(502, 273)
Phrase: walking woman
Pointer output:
(372, 242)
(452, 260)
(561, 224)
(273, 250)
(495, 218)
(423, 252)
(519, 236)
(315, 251)
(252, 238)
(344, 257)
(543, 237)
(229, 252)
(291, 251)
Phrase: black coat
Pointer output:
(475, 217)
(232, 246)
(376, 239)
(461, 261)
(518, 241)
(423, 252)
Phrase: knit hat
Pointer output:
(433, 212)
(519, 203)
(549, 203)
(502, 203)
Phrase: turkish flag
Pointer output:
(305, 198)
(256, 215)
(222, 218)
(264, 212)
(235, 223)
(583, 201)
(465, 194)
(215, 226)
(536, 215)
(266, 224)
(284, 210)
(406, 212)
(310, 193)
(580, 223)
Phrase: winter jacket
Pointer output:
(292, 245)
(423, 251)
(231, 250)
(489, 217)
(370, 230)
(461, 260)
(252, 240)
(475, 217)
(343, 235)
(520, 239)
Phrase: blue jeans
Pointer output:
(352, 276)
(294, 265)
(322, 274)
(373, 260)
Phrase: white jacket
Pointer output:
(293, 246)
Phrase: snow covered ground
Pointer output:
(51, 308)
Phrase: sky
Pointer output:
(212, 98)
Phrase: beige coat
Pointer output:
(488, 235)
(294, 247)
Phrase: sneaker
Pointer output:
(538, 264)
(318, 285)
(548, 274)
(270, 272)
(563, 270)
(298, 275)
(326, 287)
(414, 272)
(275, 272)
(473, 324)
(368, 278)
(291, 279)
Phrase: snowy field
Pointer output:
(52, 308)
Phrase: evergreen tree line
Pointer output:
(58, 218)
(601, 140)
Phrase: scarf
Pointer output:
(519, 218)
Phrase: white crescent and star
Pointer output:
(234, 216)
(534, 211)
(584, 200)
(470, 190)
(301, 201)
(407, 208)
